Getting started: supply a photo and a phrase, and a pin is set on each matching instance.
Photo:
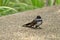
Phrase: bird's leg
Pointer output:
(37, 26)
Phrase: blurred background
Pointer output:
(14, 6)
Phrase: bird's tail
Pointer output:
(26, 25)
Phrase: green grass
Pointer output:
(13, 6)
(58, 2)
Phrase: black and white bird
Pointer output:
(35, 23)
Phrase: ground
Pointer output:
(11, 26)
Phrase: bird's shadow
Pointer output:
(32, 27)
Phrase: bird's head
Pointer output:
(38, 17)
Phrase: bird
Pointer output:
(35, 23)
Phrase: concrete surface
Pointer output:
(11, 25)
